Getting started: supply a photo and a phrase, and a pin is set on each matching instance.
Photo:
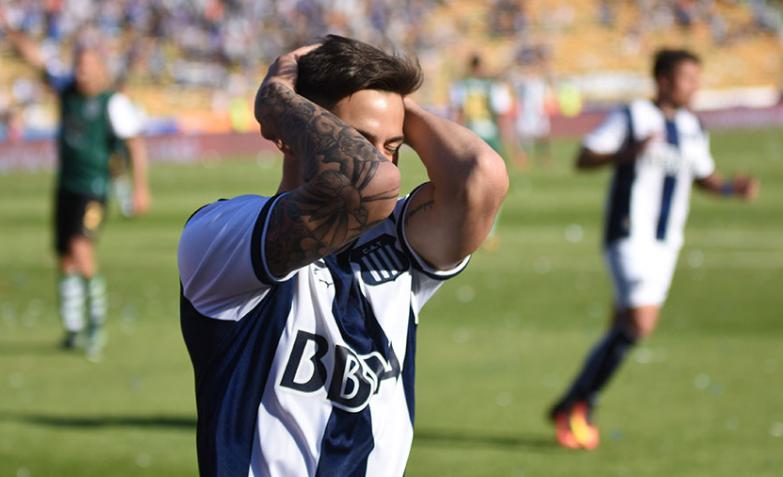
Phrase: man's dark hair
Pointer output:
(342, 66)
(667, 60)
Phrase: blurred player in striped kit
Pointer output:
(658, 150)
(94, 121)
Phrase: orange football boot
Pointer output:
(583, 430)
(565, 437)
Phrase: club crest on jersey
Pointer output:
(665, 156)
(380, 260)
(353, 379)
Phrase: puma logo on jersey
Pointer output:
(353, 378)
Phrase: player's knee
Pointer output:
(67, 264)
(644, 322)
(86, 267)
(644, 329)
(639, 323)
(82, 256)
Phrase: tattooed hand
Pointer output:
(283, 72)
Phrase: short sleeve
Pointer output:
(703, 164)
(126, 120)
(221, 258)
(609, 136)
(426, 279)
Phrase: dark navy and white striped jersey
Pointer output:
(648, 200)
(309, 374)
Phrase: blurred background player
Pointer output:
(95, 121)
(531, 106)
(484, 104)
(657, 149)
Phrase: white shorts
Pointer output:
(641, 273)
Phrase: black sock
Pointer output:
(601, 363)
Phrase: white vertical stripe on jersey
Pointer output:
(390, 460)
(291, 424)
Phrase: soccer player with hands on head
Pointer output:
(299, 309)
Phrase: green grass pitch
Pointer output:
(703, 397)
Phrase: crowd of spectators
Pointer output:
(656, 15)
(213, 44)
(207, 35)
(220, 45)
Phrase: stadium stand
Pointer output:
(192, 66)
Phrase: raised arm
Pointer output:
(450, 216)
(26, 47)
(346, 185)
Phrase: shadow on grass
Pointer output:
(471, 438)
(91, 422)
(23, 348)
(422, 436)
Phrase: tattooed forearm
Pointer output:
(317, 137)
(343, 191)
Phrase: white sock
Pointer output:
(96, 291)
(72, 301)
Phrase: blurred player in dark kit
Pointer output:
(94, 122)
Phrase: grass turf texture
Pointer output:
(703, 397)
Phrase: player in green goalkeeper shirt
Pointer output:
(93, 120)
